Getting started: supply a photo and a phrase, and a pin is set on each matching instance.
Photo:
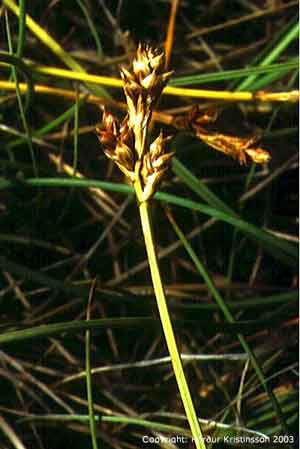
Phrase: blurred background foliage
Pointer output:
(64, 239)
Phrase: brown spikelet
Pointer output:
(147, 77)
(142, 87)
(236, 147)
(117, 141)
(154, 165)
(239, 148)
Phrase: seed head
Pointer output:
(126, 143)
(148, 77)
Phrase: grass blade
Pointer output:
(229, 317)
(20, 102)
(286, 40)
(73, 327)
(44, 37)
(22, 28)
(92, 28)
(234, 74)
(280, 249)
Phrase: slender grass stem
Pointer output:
(89, 386)
(19, 100)
(167, 325)
(22, 28)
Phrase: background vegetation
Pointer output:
(75, 290)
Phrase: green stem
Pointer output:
(167, 325)
(89, 387)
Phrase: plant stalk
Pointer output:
(167, 325)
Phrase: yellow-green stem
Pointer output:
(167, 324)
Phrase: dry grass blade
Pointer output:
(10, 434)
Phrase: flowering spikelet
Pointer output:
(142, 88)
(118, 140)
(238, 148)
(125, 143)
(155, 164)
(148, 77)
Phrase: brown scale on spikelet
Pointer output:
(125, 144)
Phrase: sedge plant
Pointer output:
(145, 165)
